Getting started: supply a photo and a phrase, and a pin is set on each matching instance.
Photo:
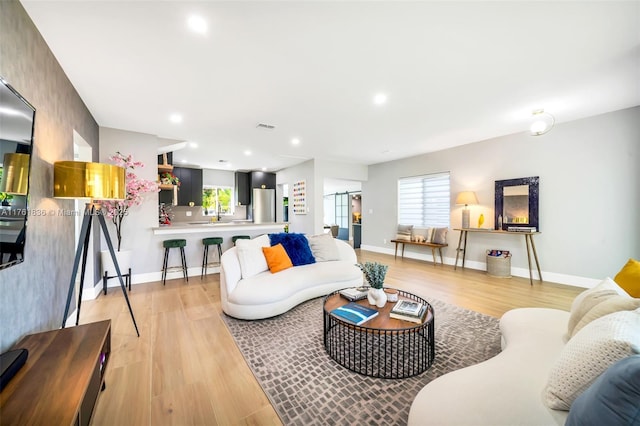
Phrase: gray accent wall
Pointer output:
(589, 196)
(33, 293)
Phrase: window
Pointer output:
(424, 200)
(217, 200)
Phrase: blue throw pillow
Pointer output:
(296, 246)
(613, 399)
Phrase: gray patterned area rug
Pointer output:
(306, 387)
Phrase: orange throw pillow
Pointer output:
(629, 278)
(277, 258)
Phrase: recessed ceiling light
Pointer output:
(184, 161)
(197, 24)
(193, 144)
(175, 118)
(380, 99)
(264, 169)
(295, 141)
(247, 152)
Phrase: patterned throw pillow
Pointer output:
(404, 232)
(590, 352)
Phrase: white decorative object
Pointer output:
(392, 294)
(377, 297)
(124, 262)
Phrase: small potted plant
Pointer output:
(168, 178)
(375, 273)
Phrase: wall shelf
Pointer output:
(166, 186)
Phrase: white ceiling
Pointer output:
(454, 72)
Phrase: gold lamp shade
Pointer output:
(97, 181)
(15, 174)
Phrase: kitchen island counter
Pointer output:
(207, 227)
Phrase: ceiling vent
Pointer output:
(265, 126)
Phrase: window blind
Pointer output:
(424, 201)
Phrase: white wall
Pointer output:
(315, 172)
(589, 196)
(302, 223)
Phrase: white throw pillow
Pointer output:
(586, 300)
(606, 284)
(323, 247)
(251, 257)
(590, 352)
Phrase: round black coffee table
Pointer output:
(382, 347)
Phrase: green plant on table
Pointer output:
(374, 272)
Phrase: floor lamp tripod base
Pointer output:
(92, 209)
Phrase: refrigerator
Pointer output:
(263, 205)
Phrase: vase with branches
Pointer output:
(375, 273)
(118, 210)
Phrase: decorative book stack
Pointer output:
(354, 313)
(354, 293)
(409, 310)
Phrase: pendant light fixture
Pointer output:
(541, 122)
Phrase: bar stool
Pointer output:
(206, 242)
(239, 237)
(169, 244)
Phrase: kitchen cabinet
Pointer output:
(243, 188)
(263, 178)
(190, 189)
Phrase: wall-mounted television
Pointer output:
(17, 118)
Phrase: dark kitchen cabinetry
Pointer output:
(243, 188)
(258, 179)
(190, 189)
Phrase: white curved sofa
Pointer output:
(266, 294)
(506, 389)
(549, 358)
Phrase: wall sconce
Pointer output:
(541, 123)
(466, 198)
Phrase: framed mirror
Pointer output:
(516, 204)
(17, 119)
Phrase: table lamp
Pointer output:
(95, 181)
(466, 198)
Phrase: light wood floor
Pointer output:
(185, 368)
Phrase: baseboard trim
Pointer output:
(552, 277)
(154, 276)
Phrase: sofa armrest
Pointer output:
(230, 272)
(346, 252)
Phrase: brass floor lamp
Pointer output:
(96, 181)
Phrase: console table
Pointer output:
(528, 240)
(61, 380)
